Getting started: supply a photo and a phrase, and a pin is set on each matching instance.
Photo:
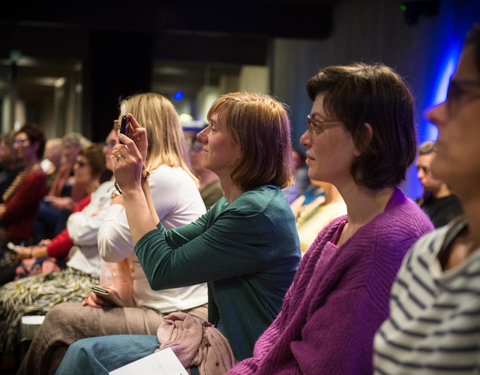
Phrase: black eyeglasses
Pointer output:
(316, 126)
(80, 163)
(457, 89)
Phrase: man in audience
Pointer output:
(434, 321)
(438, 201)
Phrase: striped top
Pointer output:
(434, 323)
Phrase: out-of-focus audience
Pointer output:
(313, 219)
(21, 199)
(438, 201)
(38, 293)
(64, 194)
(52, 159)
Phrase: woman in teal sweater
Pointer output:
(246, 246)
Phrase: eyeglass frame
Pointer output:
(455, 90)
(315, 126)
(81, 163)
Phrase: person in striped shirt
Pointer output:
(434, 322)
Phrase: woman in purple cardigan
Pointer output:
(361, 138)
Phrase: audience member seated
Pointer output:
(52, 159)
(37, 294)
(64, 194)
(208, 182)
(438, 201)
(357, 141)
(177, 202)
(21, 199)
(312, 220)
(245, 246)
(433, 327)
(51, 255)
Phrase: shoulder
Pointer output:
(402, 215)
(261, 199)
(165, 177)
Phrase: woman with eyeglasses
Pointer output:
(360, 138)
(38, 293)
(21, 199)
(22, 196)
(433, 327)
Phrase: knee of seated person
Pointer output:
(79, 350)
(61, 313)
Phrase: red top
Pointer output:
(21, 208)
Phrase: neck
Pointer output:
(230, 189)
(205, 177)
(363, 204)
(471, 206)
(92, 186)
(443, 192)
(331, 194)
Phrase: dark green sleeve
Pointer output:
(231, 245)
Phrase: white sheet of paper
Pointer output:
(164, 362)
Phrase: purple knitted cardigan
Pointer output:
(339, 297)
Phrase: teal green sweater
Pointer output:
(247, 251)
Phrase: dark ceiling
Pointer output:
(198, 38)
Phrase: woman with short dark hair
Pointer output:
(361, 139)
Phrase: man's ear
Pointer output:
(363, 139)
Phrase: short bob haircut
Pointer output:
(357, 94)
(93, 152)
(260, 126)
(166, 143)
(35, 134)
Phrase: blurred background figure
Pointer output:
(21, 199)
(208, 182)
(309, 199)
(64, 194)
(317, 215)
(302, 182)
(52, 159)
(438, 201)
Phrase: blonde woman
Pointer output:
(177, 202)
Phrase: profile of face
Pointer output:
(220, 153)
(53, 152)
(330, 148)
(24, 148)
(457, 162)
(112, 140)
(70, 151)
(424, 173)
(82, 171)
